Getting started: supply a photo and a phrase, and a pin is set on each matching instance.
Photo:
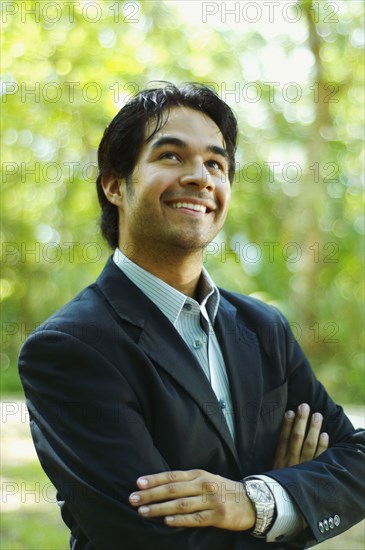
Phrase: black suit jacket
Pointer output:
(114, 392)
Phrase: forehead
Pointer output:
(193, 127)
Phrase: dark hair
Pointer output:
(124, 137)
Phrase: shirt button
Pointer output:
(336, 520)
(187, 306)
(222, 404)
(197, 344)
(325, 524)
(321, 528)
(331, 523)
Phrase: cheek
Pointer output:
(224, 197)
(158, 181)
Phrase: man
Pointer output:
(157, 401)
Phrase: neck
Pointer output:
(178, 269)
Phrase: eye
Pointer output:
(169, 155)
(215, 165)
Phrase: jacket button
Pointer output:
(331, 523)
(336, 520)
(321, 528)
(325, 525)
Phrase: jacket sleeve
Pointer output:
(329, 490)
(92, 441)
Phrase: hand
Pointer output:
(194, 498)
(293, 446)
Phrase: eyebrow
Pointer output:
(170, 140)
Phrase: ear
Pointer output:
(114, 189)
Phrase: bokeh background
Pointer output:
(293, 72)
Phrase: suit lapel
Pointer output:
(240, 351)
(174, 357)
(162, 343)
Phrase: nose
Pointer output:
(197, 175)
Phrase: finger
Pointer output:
(297, 435)
(169, 491)
(323, 443)
(282, 446)
(311, 441)
(162, 478)
(174, 507)
(197, 519)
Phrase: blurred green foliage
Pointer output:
(294, 237)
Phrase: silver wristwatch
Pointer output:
(263, 500)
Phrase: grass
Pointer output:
(31, 519)
(31, 530)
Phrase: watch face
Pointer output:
(259, 492)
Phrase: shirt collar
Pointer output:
(169, 300)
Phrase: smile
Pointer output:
(189, 206)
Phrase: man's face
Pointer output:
(179, 191)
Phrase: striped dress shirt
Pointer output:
(192, 320)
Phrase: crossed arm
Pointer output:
(196, 498)
(76, 407)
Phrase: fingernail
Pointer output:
(143, 510)
(304, 408)
(169, 519)
(134, 497)
(317, 417)
(142, 482)
(325, 437)
(289, 415)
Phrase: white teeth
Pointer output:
(190, 206)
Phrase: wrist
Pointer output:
(250, 512)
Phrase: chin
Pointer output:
(191, 244)
(189, 241)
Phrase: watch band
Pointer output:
(263, 500)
